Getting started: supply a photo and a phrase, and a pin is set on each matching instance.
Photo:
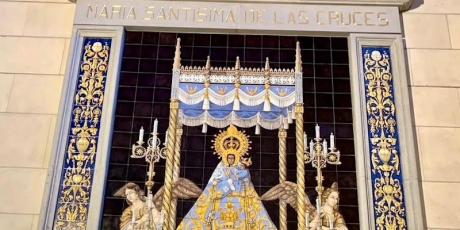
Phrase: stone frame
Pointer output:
(53, 182)
(412, 182)
(411, 173)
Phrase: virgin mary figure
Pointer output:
(229, 201)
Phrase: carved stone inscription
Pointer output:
(238, 16)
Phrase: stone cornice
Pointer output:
(402, 4)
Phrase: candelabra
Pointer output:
(152, 154)
(319, 155)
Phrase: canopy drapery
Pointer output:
(245, 97)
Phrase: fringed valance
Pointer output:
(224, 94)
(248, 116)
(245, 97)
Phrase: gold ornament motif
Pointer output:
(386, 173)
(229, 216)
(252, 91)
(282, 92)
(232, 142)
(73, 200)
(221, 90)
(191, 89)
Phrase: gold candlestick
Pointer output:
(152, 154)
(319, 155)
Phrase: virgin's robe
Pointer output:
(229, 201)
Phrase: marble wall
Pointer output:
(34, 38)
(432, 32)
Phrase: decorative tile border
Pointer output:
(79, 161)
(387, 180)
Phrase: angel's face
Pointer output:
(131, 195)
(333, 199)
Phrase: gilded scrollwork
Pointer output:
(74, 194)
(389, 206)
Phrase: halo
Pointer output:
(231, 142)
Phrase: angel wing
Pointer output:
(287, 192)
(183, 189)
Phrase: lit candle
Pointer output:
(317, 130)
(312, 146)
(155, 132)
(141, 135)
(325, 147)
(332, 141)
(155, 127)
(305, 141)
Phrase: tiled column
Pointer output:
(80, 151)
(387, 161)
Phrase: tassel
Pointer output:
(289, 117)
(206, 103)
(266, 104)
(285, 123)
(293, 114)
(236, 104)
(205, 128)
(257, 124)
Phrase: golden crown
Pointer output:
(229, 217)
(232, 142)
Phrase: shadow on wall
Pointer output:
(416, 4)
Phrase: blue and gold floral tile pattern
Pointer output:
(387, 182)
(76, 180)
